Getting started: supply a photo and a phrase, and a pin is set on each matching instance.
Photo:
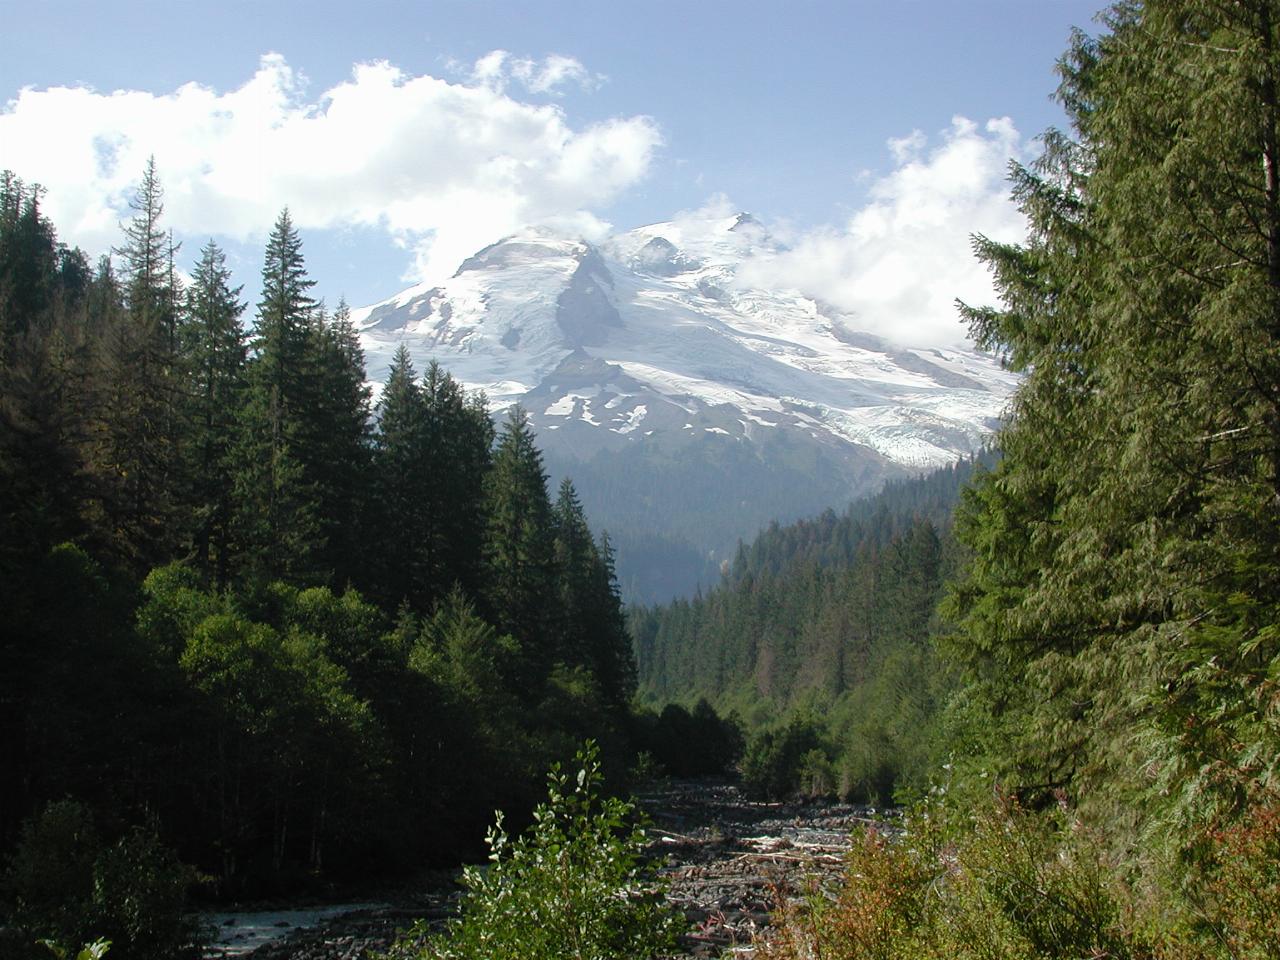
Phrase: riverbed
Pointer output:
(725, 859)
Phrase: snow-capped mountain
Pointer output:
(657, 379)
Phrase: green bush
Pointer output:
(788, 761)
(139, 901)
(70, 888)
(1004, 884)
(50, 876)
(574, 887)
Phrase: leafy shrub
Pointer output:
(50, 877)
(1005, 884)
(139, 900)
(878, 907)
(573, 888)
(788, 761)
(1244, 897)
(71, 888)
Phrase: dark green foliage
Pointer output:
(140, 440)
(458, 445)
(575, 886)
(520, 571)
(593, 630)
(1116, 619)
(71, 887)
(278, 525)
(685, 743)
(401, 469)
(282, 729)
(788, 760)
(50, 877)
(214, 356)
(431, 458)
(336, 447)
(828, 617)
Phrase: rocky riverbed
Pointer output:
(726, 861)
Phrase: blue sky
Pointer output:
(599, 115)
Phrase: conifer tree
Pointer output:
(28, 259)
(214, 354)
(277, 526)
(520, 572)
(459, 440)
(335, 446)
(576, 564)
(593, 628)
(613, 657)
(1115, 615)
(401, 468)
(139, 447)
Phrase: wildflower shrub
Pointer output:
(574, 887)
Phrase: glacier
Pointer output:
(647, 351)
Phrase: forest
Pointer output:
(817, 644)
(1109, 727)
(259, 629)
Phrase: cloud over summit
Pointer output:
(443, 167)
(900, 261)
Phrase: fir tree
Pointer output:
(401, 467)
(214, 354)
(458, 442)
(139, 447)
(277, 524)
(520, 573)
(1115, 615)
(335, 448)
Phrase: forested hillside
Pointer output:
(1111, 736)
(819, 638)
(288, 634)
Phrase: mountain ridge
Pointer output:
(649, 347)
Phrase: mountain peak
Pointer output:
(657, 378)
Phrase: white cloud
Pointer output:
(554, 72)
(498, 68)
(443, 167)
(901, 260)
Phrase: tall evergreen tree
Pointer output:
(612, 655)
(576, 563)
(336, 447)
(284, 317)
(139, 448)
(520, 567)
(401, 467)
(594, 632)
(28, 259)
(459, 439)
(1116, 614)
(214, 356)
(277, 524)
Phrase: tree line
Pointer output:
(818, 642)
(291, 631)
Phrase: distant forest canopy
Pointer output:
(819, 641)
(294, 641)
